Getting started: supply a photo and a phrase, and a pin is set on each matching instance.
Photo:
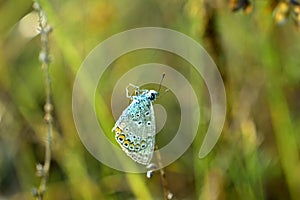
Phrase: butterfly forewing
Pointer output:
(135, 130)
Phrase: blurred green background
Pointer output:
(257, 156)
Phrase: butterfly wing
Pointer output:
(135, 130)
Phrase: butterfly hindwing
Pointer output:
(135, 130)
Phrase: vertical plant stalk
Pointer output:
(45, 29)
(167, 194)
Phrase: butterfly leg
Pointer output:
(137, 89)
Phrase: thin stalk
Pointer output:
(167, 194)
(45, 29)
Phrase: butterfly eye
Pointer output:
(147, 113)
(140, 122)
(148, 123)
(137, 114)
(152, 95)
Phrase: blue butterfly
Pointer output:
(135, 129)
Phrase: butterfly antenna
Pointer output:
(162, 78)
(167, 90)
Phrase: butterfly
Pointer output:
(135, 129)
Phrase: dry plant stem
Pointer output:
(45, 29)
(167, 193)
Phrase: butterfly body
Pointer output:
(135, 128)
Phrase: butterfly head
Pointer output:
(152, 95)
